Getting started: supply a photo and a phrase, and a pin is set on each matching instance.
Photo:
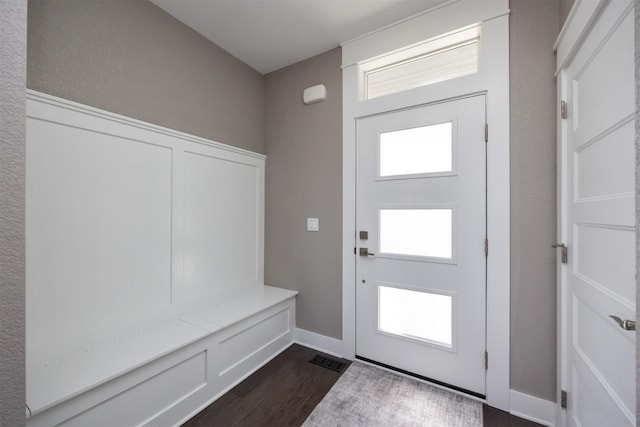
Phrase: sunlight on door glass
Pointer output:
(416, 232)
(426, 149)
(413, 314)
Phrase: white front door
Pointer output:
(421, 221)
(598, 221)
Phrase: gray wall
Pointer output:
(13, 44)
(303, 170)
(637, 73)
(304, 179)
(534, 26)
(132, 58)
(565, 8)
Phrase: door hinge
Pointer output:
(486, 247)
(563, 399)
(486, 360)
(563, 109)
(486, 132)
(354, 251)
(564, 252)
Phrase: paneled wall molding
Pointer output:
(145, 260)
(41, 110)
(149, 219)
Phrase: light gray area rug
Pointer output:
(369, 396)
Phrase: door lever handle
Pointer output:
(627, 325)
(365, 252)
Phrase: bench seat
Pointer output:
(201, 352)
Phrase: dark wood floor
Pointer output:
(287, 389)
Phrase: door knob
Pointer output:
(365, 252)
(628, 325)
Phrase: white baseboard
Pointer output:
(319, 342)
(532, 408)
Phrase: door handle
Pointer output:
(627, 325)
(564, 256)
(365, 252)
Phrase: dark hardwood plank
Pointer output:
(282, 393)
(287, 389)
(493, 417)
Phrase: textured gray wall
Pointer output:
(637, 52)
(534, 26)
(565, 8)
(303, 171)
(132, 58)
(304, 179)
(13, 44)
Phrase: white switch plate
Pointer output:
(313, 224)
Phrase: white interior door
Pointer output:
(421, 221)
(599, 224)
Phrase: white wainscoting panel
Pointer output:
(251, 336)
(222, 224)
(127, 221)
(134, 384)
(154, 377)
(98, 233)
(168, 388)
(145, 247)
(56, 381)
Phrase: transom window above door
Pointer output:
(444, 58)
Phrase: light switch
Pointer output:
(313, 224)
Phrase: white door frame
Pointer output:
(492, 78)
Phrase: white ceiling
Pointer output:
(271, 34)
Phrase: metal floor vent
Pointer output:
(327, 362)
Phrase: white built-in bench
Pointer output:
(145, 269)
(166, 373)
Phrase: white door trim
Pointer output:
(581, 18)
(493, 78)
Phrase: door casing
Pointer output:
(493, 78)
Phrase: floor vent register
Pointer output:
(328, 362)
